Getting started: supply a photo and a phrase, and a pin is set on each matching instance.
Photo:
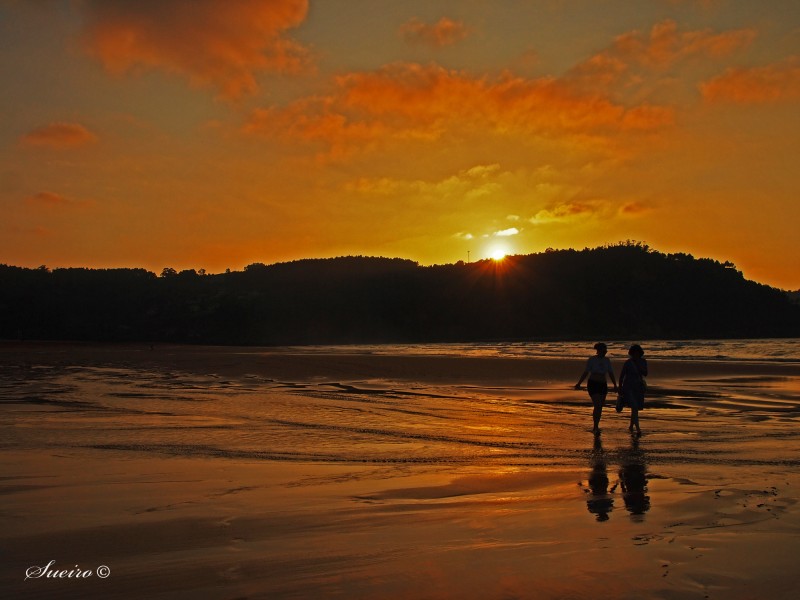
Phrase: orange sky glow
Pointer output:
(212, 134)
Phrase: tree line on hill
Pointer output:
(623, 291)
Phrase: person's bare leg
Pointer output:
(597, 403)
(634, 419)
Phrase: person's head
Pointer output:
(601, 348)
(636, 351)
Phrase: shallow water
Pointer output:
(376, 421)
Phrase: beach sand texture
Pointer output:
(232, 473)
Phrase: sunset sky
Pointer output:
(211, 134)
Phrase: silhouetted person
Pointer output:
(600, 502)
(633, 480)
(632, 385)
(598, 367)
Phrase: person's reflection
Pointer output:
(633, 480)
(599, 501)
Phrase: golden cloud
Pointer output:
(59, 135)
(759, 85)
(506, 232)
(382, 186)
(445, 32)
(473, 183)
(218, 44)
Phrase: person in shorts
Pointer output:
(598, 369)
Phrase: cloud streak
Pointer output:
(474, 183)
(51, 200)
(59, 135)
(563, 212)
(633, 209)
(223, 45)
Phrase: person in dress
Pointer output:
(598, 368)
(632, 384)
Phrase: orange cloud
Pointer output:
(47, 199)
(666, 45)
(53, 200)
(37, 231)
(218, 44)
(600, 70)
(705, 4)
(409, 100)
(646, 117)
(760, 85)
(632, 209)
(661, 48)
(59, 135)
(445, 32)
(564, 212)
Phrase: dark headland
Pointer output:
(620, 291)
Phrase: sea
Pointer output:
(785, 350)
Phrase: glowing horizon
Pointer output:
(145, 135)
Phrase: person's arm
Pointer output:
(580, 381)
(622, 374)
(611, 374)
(643, 367)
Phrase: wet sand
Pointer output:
(255, 473)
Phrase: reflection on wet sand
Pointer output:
(632, 481)
(600, 502)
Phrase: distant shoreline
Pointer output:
(295, 365)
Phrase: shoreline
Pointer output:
(294, 365)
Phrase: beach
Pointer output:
(131, 471)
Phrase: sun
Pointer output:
(498, 254)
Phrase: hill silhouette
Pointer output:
(622, 291)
